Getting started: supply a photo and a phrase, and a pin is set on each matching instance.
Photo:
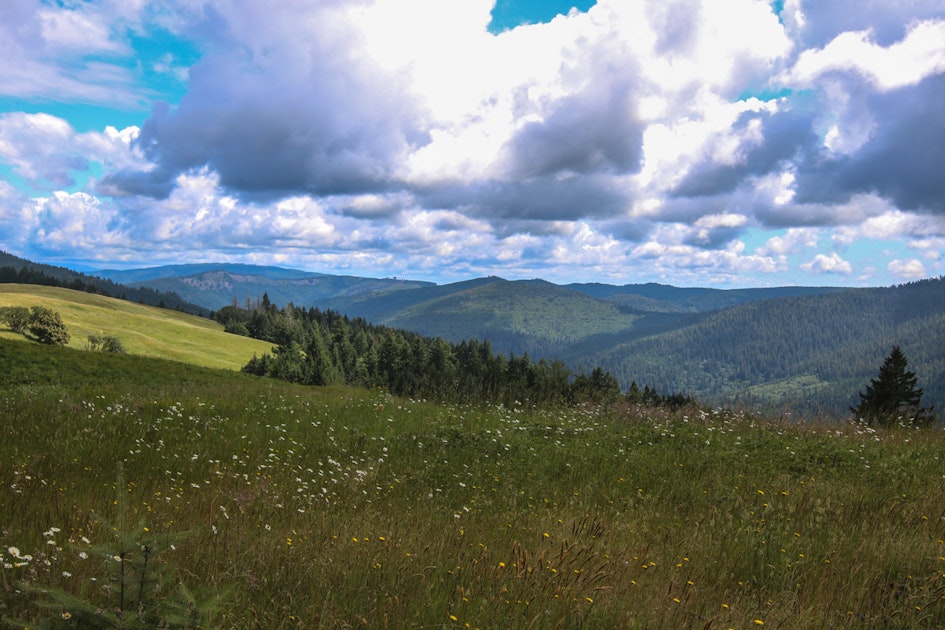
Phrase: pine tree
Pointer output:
(893, 395)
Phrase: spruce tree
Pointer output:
(893, 395)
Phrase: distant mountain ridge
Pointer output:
(372, 298)
(130, 276)
(808, 348)
(217, 285)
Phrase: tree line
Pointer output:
(316, 347)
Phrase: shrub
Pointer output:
(105, 343)
(46, 326)
(16, 317)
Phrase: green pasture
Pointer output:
(142, 330)
(296, 507)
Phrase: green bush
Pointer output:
(105, 343)
(46, 327)
(16, 317)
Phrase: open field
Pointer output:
(142, 330)
(337, 507)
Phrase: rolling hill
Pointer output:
(14, 269)
(142, 330)
(807, 348)
(536, 317)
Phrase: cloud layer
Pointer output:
(719, 142)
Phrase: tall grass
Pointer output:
(336, 507)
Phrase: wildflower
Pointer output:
(758, 622)
(66, 615)
(13, 551)
(453, 618)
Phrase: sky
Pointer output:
(724, 143)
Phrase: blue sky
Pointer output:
(723, 143)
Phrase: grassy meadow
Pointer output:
(340, 508)
(142, 330)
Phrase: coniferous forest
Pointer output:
(315, 347)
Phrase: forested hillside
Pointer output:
(326, 348)
(661, 298)
(533, 317)
(809, 353)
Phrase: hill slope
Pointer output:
(661, 298)
(809, 352)
(142, 330)
(21, 271)
(540, 318)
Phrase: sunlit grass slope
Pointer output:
(348, 508)
(142, 330)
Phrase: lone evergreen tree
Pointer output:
(893, 395)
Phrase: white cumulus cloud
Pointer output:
(833, 263)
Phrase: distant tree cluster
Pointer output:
(38, 322)
(317, 347)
